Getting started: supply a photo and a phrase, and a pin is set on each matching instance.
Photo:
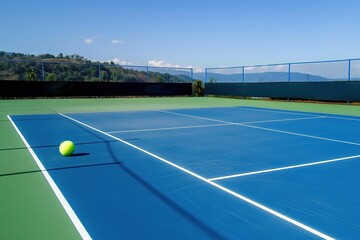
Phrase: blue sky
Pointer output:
(184, 33)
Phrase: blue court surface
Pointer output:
(215, 173)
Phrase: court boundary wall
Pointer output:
(322, 91)
(28, 89)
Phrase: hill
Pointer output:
(19, 66)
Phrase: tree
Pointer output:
(166, 77)
(197, 88)
(159, 79)
(30, 74)
(46, 56)
(50, 77)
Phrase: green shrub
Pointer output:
(50, 77)
(197, 88)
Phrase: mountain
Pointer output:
(260, 77)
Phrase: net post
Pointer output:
(147, 73)
(192, 73)
(349, 70)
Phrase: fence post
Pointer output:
(289, 72)
(349, 70)
(192, 74)
(206, 75)
(99, 67)
(243, 74)
(42, 71)
(147, 74)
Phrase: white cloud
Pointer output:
(120, 62)
(90, 41)
(267, 68)
(156, 63)
(197, 69)
(162, 63)
(116, 41)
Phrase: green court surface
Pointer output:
(28, 207)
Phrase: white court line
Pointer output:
(187, 115)
(239, 196)
(299, 134)
(306, 114)
(344, 118)
(283, 168)
(279, 111)
(70, 212)
(267, 129)
(169, 128)
(210, 125)
(283, 120)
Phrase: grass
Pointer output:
(29, 208)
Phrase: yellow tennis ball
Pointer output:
(67, 148)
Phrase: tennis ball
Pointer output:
(67, 148)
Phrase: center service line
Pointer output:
(239, 196)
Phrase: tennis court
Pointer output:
(202, 173)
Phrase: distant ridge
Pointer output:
(260, 77)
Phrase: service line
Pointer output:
(169, 128)
(284, 168)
